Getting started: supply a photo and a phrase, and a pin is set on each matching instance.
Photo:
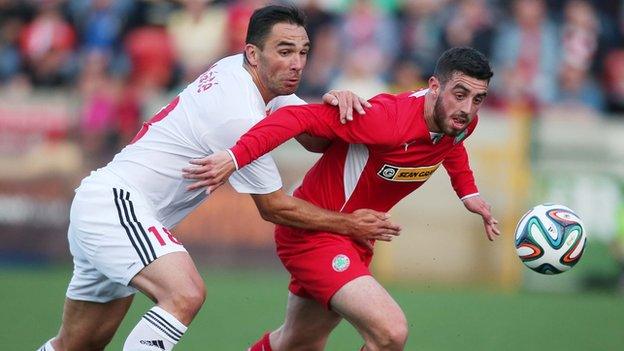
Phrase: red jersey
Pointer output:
(374, 161)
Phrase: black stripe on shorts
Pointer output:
(132, 234)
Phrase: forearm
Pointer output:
(293, 212)
(458, 168)
(279, 127)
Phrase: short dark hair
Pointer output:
(465, 60)
(263, 19)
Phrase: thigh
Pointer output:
(307, 323)
(113, 235)
(91, 325)
(367, 306)
(320, 267)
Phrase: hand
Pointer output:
(211, 171)
(371, 225)
(346, 101)
(477, 205)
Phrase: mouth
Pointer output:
(459, 122)
(292, 82)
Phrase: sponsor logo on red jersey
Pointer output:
(406, 174)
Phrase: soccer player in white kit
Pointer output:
(121, 214)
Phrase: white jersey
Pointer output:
(209, 115)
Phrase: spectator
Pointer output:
(238, 14)
(406, 76)
(471, 24)
(48, 46)
(364, 29)
(360, 73)
(152, 56)
(421, 28)
(526, 56)
(578, 92)
(579, 34)
(197, 31)
(13, 16)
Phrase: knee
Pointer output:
(187, 300)
(391, 335)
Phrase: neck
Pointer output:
(429, 112)
(264, 91)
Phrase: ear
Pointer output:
(434, 85)
(252, 52)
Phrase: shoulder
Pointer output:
(284, 100)
(224, 83)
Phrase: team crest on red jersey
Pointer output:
(406, 174)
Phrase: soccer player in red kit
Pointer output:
(372, 162)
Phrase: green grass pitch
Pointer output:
(242, 305)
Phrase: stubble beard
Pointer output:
(440, 119)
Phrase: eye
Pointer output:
(284, 52)
(304, 53)
(478, 100)
(459, 96)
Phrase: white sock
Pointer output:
(157, 330)
(47, 346)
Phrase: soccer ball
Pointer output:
(550, 239)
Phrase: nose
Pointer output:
(297, 63)
(466, 107)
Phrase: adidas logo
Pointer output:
(155, 343)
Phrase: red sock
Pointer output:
(262, 345)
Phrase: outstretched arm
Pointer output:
(277, 207)
(362, 225)
(377, 128)
(476, 204)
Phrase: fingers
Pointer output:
(380, 215)
(349, 107)
(385, 237)
(342, 107)
(203, 175)
(330, 98)
(193, 170)
(491, 230)
(360, 103)
(213, 187)
(203, 183)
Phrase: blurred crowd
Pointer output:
(115, 54)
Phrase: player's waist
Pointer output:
(297, 240)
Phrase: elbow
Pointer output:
(271, 212)
(267, 214)
(274, 207)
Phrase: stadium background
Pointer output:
(77, 77)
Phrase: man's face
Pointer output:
(281, 61)
(458, 102)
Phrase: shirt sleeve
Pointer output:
(376, 127)
(259, 177)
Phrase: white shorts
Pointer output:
(113, 234)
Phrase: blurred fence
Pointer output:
(518, 161)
